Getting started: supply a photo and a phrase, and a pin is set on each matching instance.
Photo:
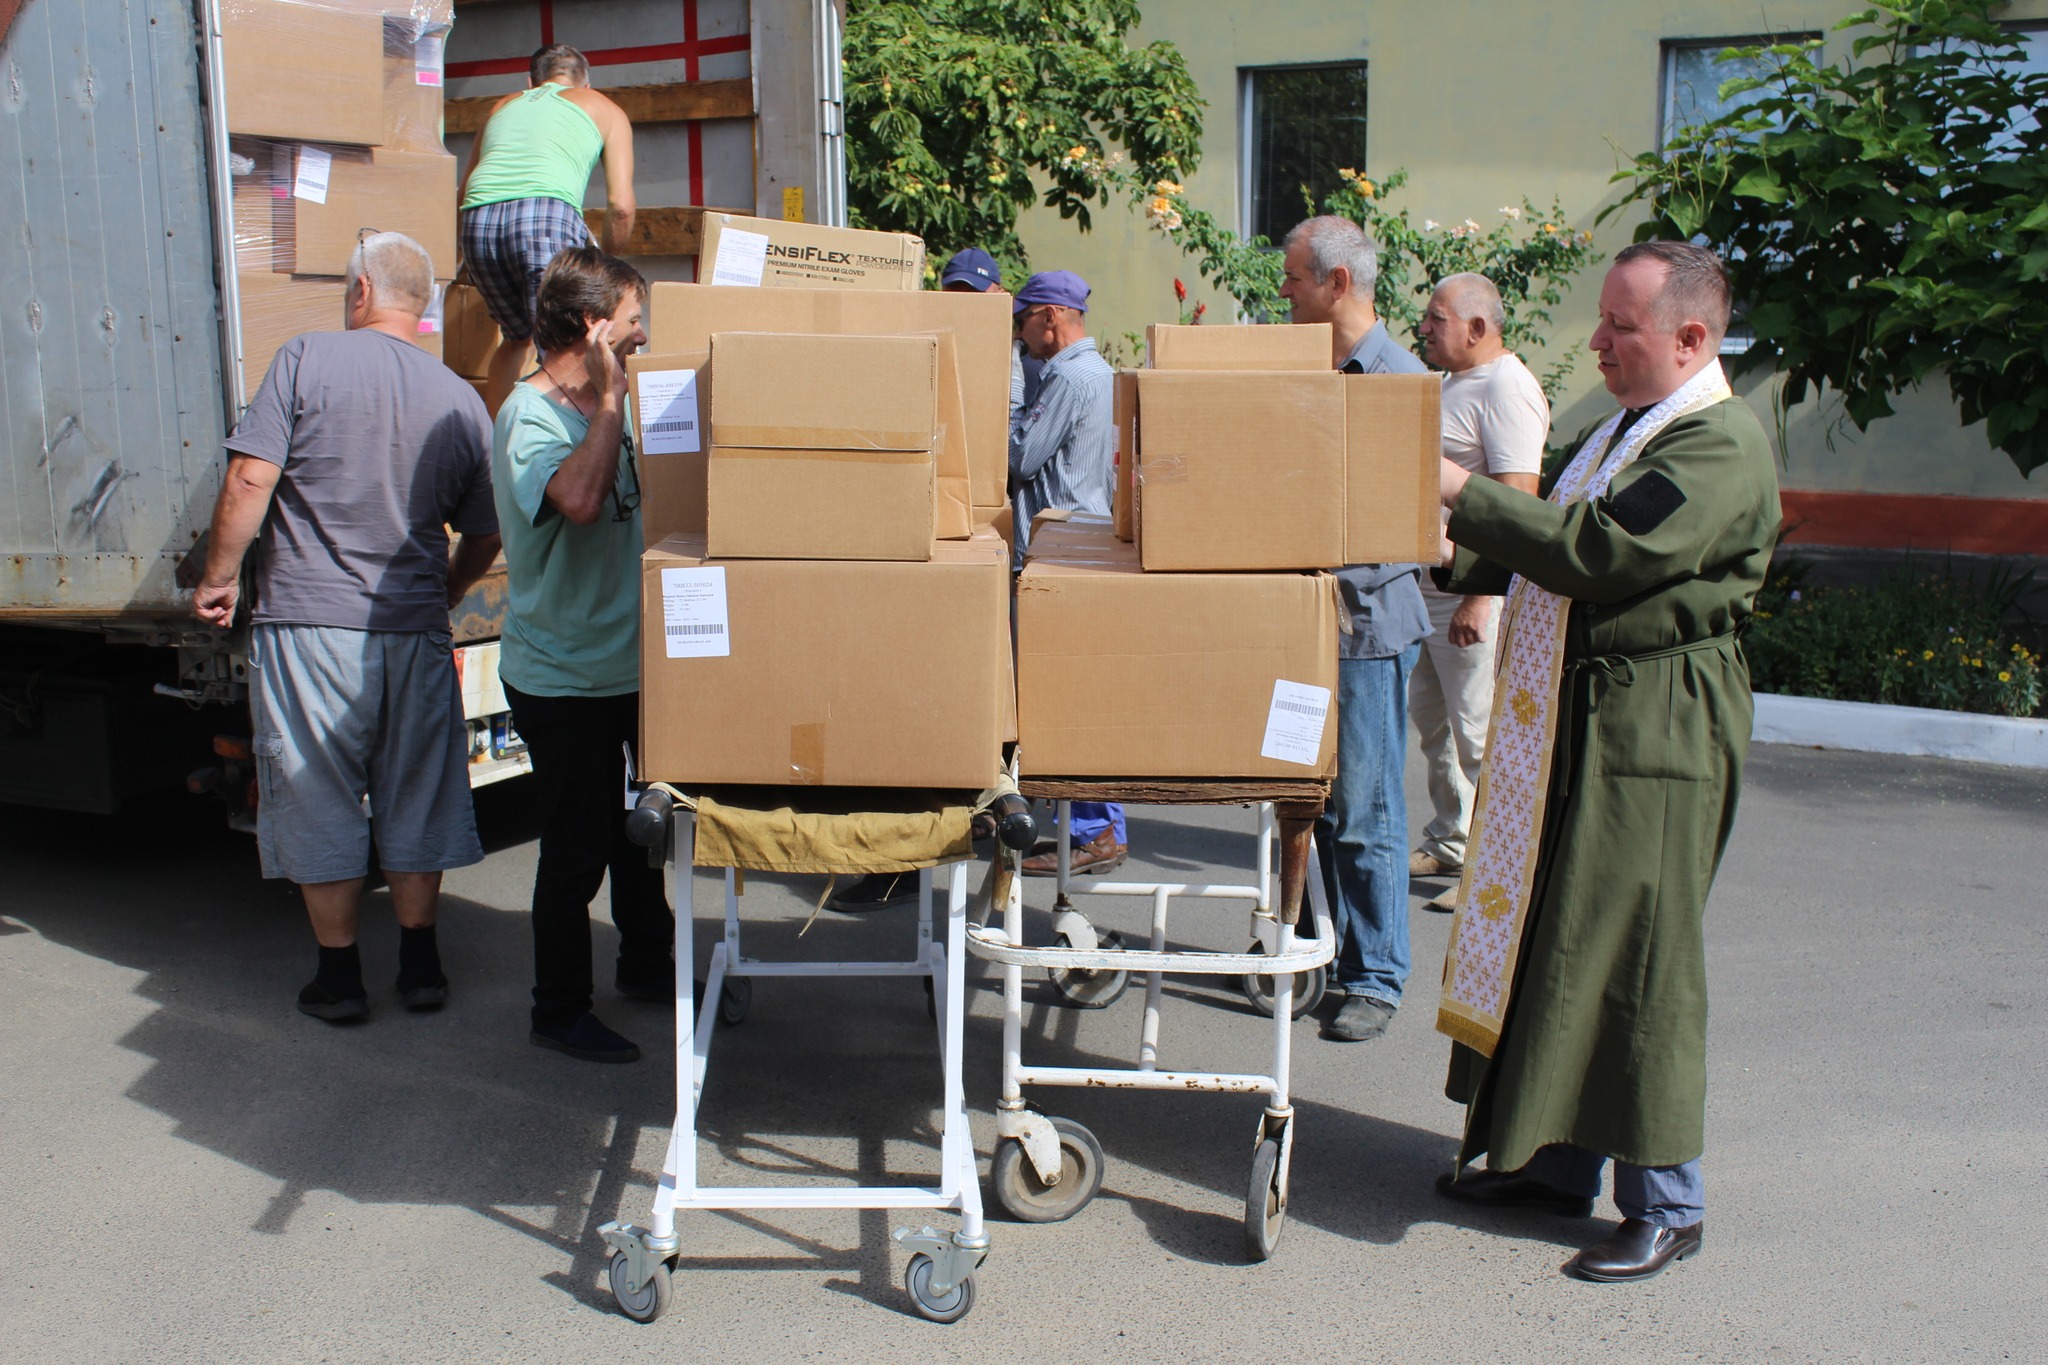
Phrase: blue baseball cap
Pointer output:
(1062, 287)
(972, 266)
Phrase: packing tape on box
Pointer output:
(807, 453)
(807, 755)
(820, 438)
(1162, 469)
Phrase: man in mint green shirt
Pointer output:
(568, 507)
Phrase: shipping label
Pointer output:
(742, 257)
(316, 166)
(1294, 723)
(693, 617)
(668, 412)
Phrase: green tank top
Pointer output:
(540, 146)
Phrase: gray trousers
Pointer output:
(1668, 1196)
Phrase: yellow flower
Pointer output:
(1549, 228)
(1167, 187)
(2004, 676)
(1926, 653)
(1161, 206)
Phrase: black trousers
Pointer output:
(580, 772)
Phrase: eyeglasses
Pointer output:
(625, 504)
(365, 234)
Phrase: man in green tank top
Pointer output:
(522, 200)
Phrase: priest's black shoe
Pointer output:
(1636, 1250)
(1512, 1190)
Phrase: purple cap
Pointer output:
(972, 266)
(1062, 287)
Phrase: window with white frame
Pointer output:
(1301, 125)
(1692, 77)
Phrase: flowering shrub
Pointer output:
(1913, 638)
(1530, 254)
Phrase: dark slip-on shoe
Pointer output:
(1512, 1190)
(1635, 1250)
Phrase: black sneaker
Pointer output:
(587, 1039)
(334, 1009)
(876, 891)
(427, 995)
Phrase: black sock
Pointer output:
(341, 973)
(419, 957)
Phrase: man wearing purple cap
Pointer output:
(1062, 453)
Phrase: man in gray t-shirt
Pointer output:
(356, 456)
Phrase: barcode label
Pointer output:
(668, 412)
(658, 428)
(693, 615)
(1294, 723)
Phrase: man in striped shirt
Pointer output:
(1062, 453)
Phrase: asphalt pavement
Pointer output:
(191, 1170)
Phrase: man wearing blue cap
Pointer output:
(1062, 452)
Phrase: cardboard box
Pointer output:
(1240, 470)
(686, 315)
(1127, 674)
(670, 392)
(739, 250)
(1122, 503)
(810, 672)
(415, 67)
(303, 72)
(1393, 440)
(1288, 346)
(821, 446)
(385, 189)
(263, 221)
(469, 334)
(276, 308)
(791, 391)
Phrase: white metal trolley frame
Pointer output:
(1047, 1169)
(940, 1277)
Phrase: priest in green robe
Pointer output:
(1575, 986)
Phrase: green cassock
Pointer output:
(1605, 1039)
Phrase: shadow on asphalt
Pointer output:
(458, 1108)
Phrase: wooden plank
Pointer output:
(1306, 794)
(677, 102)
(659, 231)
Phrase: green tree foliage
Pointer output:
(1884, 219)
(957, 111)
(1530, 254)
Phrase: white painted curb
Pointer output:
(1871, 728)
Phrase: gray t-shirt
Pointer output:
(383, 447)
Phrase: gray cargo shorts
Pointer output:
(344, 714)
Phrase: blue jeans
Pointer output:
(1086, 819)
(1668, 1196)
(1363, 837)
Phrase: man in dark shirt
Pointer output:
(1331, 269)
(357, 453)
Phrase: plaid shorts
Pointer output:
(507, 245)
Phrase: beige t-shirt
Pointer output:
(1495, 418)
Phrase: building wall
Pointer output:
(1484, 102)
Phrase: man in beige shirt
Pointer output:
(1495, 420)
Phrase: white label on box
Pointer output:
(316, 164)
(668, 412)
(742, 257)
(429, 57)
(1294, 722)
(693, 613)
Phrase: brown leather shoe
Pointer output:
(1512, 1190)
(1097, 856)
(1635, 1250)
(1422, 864)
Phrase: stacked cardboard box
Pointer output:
(1193, 635)
(334, 114)
(822, 603)
(738, 250)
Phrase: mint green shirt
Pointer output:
(540, 146)
(572, 628)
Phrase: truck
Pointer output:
(124, 360)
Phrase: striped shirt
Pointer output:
(1063, 442)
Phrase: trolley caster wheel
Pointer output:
(1085, 989)
(1029, 1199)
(1264, 1212)
(950, 1307)
(1258, 988)
(735, 998)
(650, 1301)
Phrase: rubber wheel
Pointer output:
(947, 1308)
(735, 998)
(650, 1302)
(1029, 1199)
(1263, 1212)
(1089, 990)
(1308, 988)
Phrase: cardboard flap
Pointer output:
(1393, 436)
(1268, 346)
(825, 392)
